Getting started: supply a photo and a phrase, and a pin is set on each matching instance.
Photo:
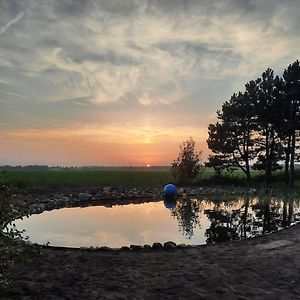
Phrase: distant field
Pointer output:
(79, 179)
(84, 179)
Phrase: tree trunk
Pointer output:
(246, 151)
(266, 166)
(247, 167)
(269, 156)
(287, 160)
(292, 162)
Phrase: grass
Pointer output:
(86, 179)
(207, 176)
(80, 179)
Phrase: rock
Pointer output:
(157, 246)
(147, 247)
(105, 248)
(84, 196)
(83, 248)
(136, 247)
(170, 245)
(125, 248)
(107, 189)
(42, 206)
(181, 246)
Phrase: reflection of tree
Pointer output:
(187, 214)
(223, 226)
(256, 216)
(269, 214)
(288, 210)
(237, 219)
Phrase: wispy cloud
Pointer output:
(167, 64)
(105, 54)
(11, 22)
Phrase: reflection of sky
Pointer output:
(117, 226)
(144, 223)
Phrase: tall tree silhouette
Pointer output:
(290, 121)
(268, 113)
(259, 127)
(231, 138)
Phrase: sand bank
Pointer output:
(266, 267)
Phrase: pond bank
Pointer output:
(266, 267)
(108, 196)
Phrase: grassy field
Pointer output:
(78, 179)
(85, 179)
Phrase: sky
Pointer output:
(124, 82)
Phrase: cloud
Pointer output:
(11, 22)
(162, 62)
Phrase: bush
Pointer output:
(11, 239)
(187, 165)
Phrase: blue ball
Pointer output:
(170, 191)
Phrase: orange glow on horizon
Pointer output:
(127, 145)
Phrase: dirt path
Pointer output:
(261, 268)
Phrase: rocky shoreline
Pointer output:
(109, 196)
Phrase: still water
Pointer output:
(189, 221)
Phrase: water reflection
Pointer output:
(234, 219)
(184, 220)
(187, 213)
(170, 203)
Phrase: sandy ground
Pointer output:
(267, 267)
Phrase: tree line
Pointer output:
(259, 128)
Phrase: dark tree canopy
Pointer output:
(259, 128)
(230, 139)
(290, 119)
(269, 147)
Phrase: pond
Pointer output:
(188, 220)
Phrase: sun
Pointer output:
(148, 166)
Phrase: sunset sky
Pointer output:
(124, 82)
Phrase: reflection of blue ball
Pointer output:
(170, 202)
(170, 191)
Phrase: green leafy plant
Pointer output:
(12, 246)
